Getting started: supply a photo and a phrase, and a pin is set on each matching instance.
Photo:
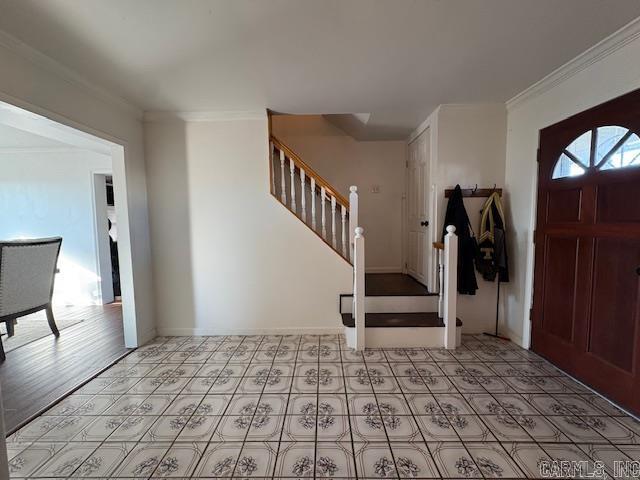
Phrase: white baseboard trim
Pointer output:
(188, 332)
(383, 270)
(515, 338)
(147, 336)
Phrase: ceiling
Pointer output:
(393, 59)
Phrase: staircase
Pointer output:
(399, 312)
(382, 311)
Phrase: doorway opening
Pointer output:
(58, 181)
(112, 223)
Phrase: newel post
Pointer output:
(450, 286)
(353, 216)
(358, 287)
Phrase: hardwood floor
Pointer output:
(38, 374)
(393, 284)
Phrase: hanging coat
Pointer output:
(456, 215)
(492, 248)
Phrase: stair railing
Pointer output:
(439, 246)
(311, 198)
(358, 288)
(450, 290)
(353, 216)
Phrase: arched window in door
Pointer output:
(602, 148)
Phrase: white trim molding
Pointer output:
(426, 123)
(204, 116)
(600, 50)
(45, 62)
(188, 332)
(43, 150)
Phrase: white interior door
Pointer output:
(418, 223)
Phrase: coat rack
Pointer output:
(475, 192)
(483, 193)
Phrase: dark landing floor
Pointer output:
(393, 284)
(37, 374)
(421, 319)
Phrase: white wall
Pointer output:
(228, 257)
(608, 71)
(344, 161)
(40, 85)
(467, 147)
(49, 193)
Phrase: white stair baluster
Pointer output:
(343, 215)
(450, 287)
(323, 195)
(333, 222)
(283, 183)
(303, 199)
(272, 153)
(358, 290)
(292, 169)
(313, 203)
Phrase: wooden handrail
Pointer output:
(438, 245)
(320, 182)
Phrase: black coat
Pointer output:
(456, 215)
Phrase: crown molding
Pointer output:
(600, 50)
(204, 116)
(45, 62)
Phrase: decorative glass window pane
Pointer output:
(565, 167)
(615, 147)
(580, 148)
(606, 139)
(623, 150)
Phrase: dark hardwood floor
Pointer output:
(393, 284)
(40, 373)
(385, 320)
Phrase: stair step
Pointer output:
(391, 284)
(414, 319)
(392, 303)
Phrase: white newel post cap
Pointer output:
(451, 229)
(359, 232)
(353, 189)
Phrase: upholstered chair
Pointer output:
(27, 271)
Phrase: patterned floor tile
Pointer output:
(28, 461)
(493, 461)
(453, 460)
(296, 460)
(289, 407)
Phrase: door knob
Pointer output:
(425, 223)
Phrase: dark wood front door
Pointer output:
(586, 308)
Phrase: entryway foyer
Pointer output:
(324, 239)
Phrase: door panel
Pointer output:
(570, 199)
(418, 242)
(613, 203)
(614, 301)
(586, 305)
(559, 286)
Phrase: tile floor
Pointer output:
(307, 406)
